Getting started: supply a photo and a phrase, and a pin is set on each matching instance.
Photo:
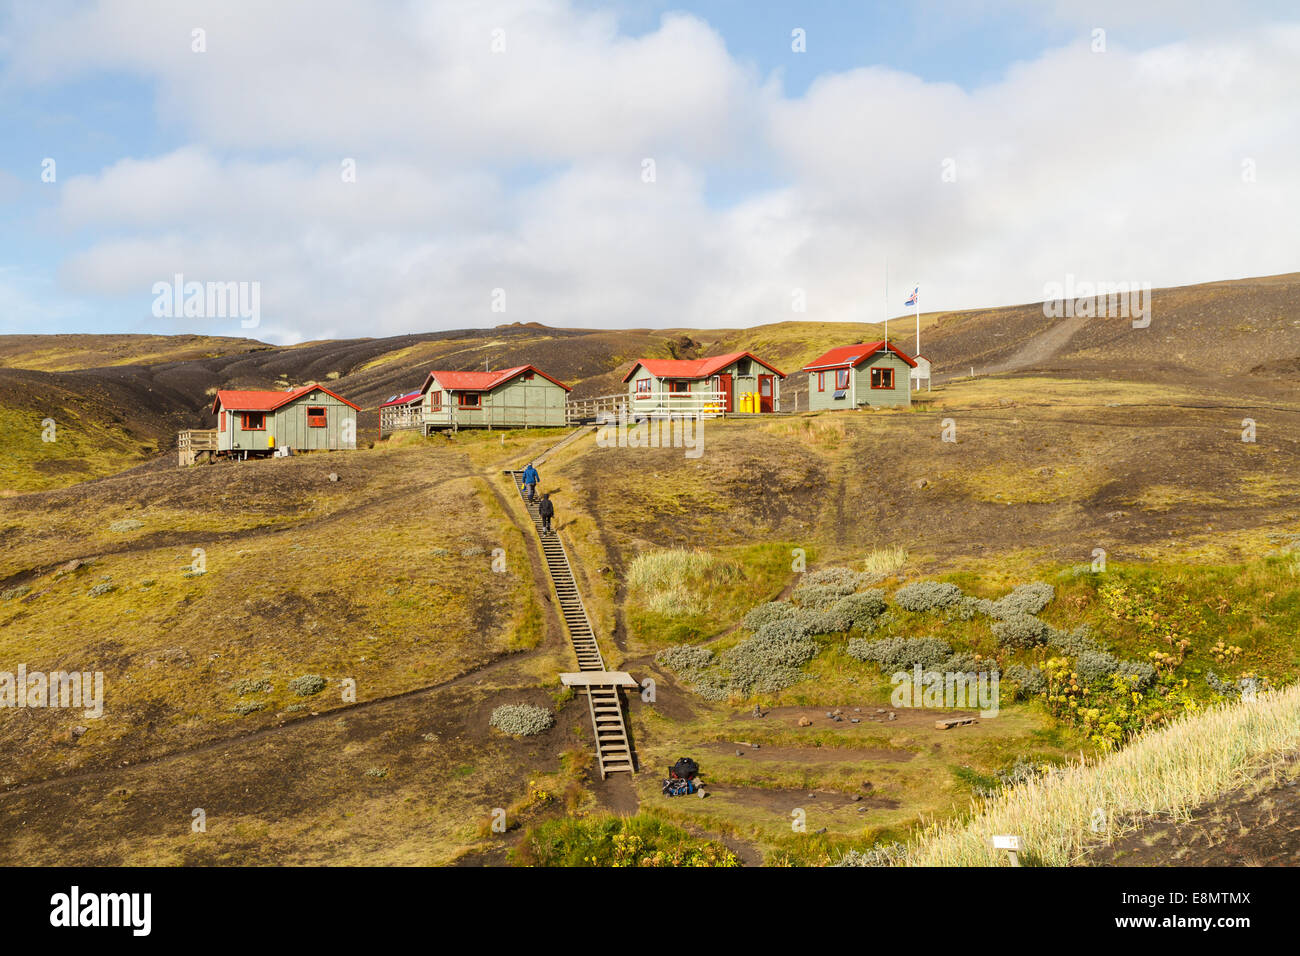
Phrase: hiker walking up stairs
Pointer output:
(604, 699)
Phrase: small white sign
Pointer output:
(1006, 843)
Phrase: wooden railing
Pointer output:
(193, 442)
(400, 416)
(662, 402)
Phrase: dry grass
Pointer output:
(1166, 774)
(674, 582)
(885, 562)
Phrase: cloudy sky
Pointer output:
(382, 168)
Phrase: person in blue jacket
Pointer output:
(530, 482)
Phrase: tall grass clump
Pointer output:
(675, 582)
(1192, 760)
(882, 563)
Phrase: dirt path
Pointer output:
(1040, 348)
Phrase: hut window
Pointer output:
(643, 388)
(468, 399)
(316, 416)
(678, 387)
(841, 378)
(221, 420)
(882, 378)
(435, 401)
(821, 381)
(254, 421)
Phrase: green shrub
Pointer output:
(838, 577)
(1074, 643)
(307, 684)
(766, 613)
(927, 596)
(819, 597)
(246, 707)
(1025, 599)
(685, 658)
(17, 591)
(1030, 680)
(1020, 631)
(862, 610)
(1138, 673)
(882, 854)
(900, 653)
(770, 660)
(251, 685)
(1094, 665)
(521, 720)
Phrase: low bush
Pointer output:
(251, 685)
(767, 613)
(900, 653)
(1020, 631)
(521, 720)
(1028, 598)
(1094, 665)
(1031, 681)
(770, 660)
(307, 684)
(927, 596)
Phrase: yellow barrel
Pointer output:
(270, 441)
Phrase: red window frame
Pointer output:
(643, 388)
(821, 381)
(249, 416)
(841, 378)
(435, 401)
(678, 387)
(882, 377)
(463, 400)
(221, 421)
(316, 416)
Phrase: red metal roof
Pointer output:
(401, 399)
(484, 381)
(236, 400)
(694, 368)
(854, 355)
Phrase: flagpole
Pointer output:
(918, 319)
(886, 303)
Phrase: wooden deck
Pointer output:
(195, 443)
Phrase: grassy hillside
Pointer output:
(207, 596)
(1237, 340)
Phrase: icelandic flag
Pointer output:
(911, 299)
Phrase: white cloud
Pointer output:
(522, 170)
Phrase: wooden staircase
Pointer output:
(604, 701)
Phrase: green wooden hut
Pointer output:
(520, 397)
(308, 418)
(870, 374)
(703, 386)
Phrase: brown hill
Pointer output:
(1240, 336)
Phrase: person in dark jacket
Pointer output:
(530, 482)
(546, 511)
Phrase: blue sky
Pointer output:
(779, 176)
